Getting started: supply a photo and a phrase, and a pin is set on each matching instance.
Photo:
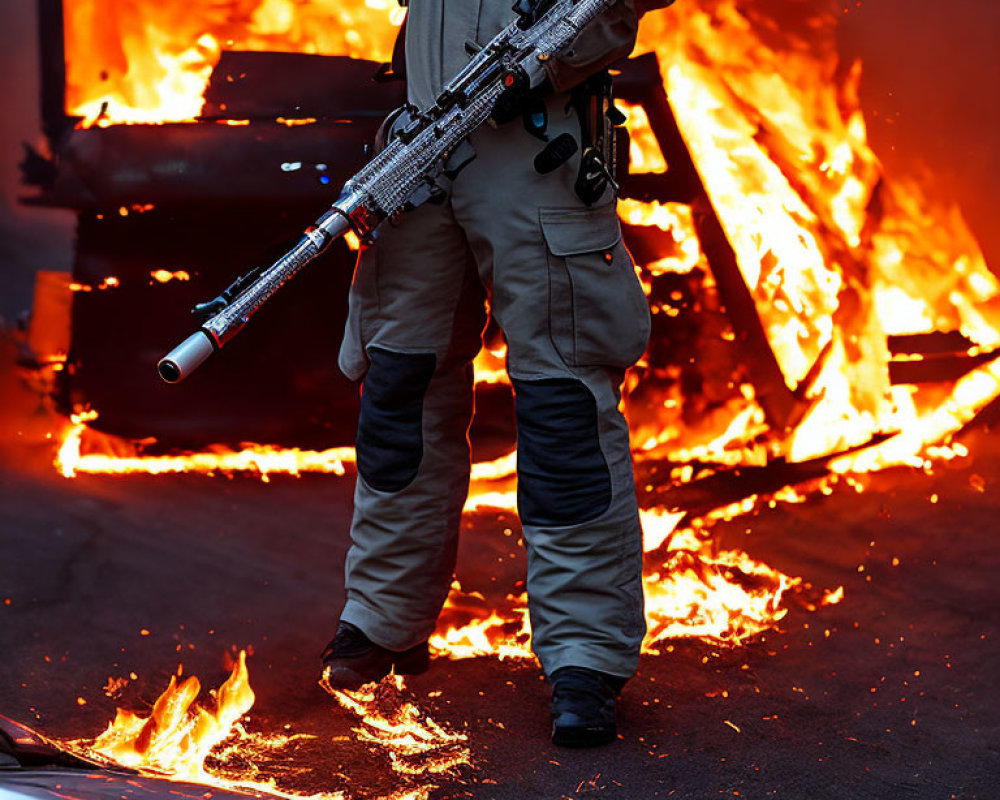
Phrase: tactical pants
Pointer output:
(563, 290)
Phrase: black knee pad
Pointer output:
(390, 441)
(562, 477)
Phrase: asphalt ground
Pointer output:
(893, 693)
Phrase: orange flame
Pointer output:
(177, 735)
(491, 365)
(691, 591)
(720, 598)
(130, 61)
(416, 744)
(468, 627)
(165, 275)
(116, 456)
(110, 282)
(645, 155)
(835, 254)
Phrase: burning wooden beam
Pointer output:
(642, 85)
(934, 357)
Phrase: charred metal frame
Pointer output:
(52, 51)
(97, 168)
(205, 198)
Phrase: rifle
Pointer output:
(401, 176)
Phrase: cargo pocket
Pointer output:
(598, 314)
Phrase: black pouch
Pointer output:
(601, 136)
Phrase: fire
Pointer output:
(683, 252)
(85, 451)
(165, 275)
(416, 744)
(180, 738)
(692, 590)
(914, 445)
(131, 61)
(177, 736)
(644, 151)
(719, 598)
(835, 254)
(491, 365)
(110, 282)
(469, 627)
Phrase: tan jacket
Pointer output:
(437, 30)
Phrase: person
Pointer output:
(562, 287)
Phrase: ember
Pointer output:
(416, 744)
(165, 275)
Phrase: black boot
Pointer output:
(583, 707)
(352, 659)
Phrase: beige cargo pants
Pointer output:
(562, 287)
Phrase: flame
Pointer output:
(177, 736)
(682, 252)
(914, 445)
(116, 456)
(719, 598)
(165, 275)
(469, 627)
(490, 365)
(352, 240)
(122, 457)
(110, 282)
(691, 591)
(415, 743)
(645, 155)
(835, 253)
(130, 61)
